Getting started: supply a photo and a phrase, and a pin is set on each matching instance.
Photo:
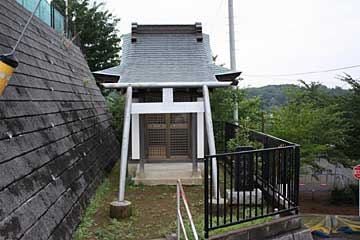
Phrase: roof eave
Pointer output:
(212, 84)
(227, 76)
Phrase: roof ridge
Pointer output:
(195, 29)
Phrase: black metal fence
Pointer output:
(251, 184)
(267, 140)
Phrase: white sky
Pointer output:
(272, 37)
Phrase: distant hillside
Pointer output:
(274, 95)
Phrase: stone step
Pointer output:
(300, 234)
(168, 181)
(168, 174)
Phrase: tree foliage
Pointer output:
(274, 96)
(314, 119)
(222, 106)
(97, 30)
(223, 102)
(351, 106)
(116, 105)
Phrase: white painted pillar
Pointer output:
(135, 134)
(210, 135)
(200, 133)
(125, 144)
(168, 95)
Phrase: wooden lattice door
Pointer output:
(167, 136)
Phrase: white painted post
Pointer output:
(125, 144)
(200, 132)
(135, 134)
(168, 95)
(210, 136)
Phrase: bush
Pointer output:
(342, 196)
(242, 138)
(355, 191)
(116, 105)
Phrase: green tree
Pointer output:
(116, 105)
(314, 119)
(222, 106)
(97, 31)
(351, 106)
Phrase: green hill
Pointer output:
(275, 95)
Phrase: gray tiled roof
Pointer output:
(165, 57)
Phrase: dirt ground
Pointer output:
(320, 203)
(154, 211)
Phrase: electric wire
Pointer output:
(302, 73)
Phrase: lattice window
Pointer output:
(168, 136)
(179, 142)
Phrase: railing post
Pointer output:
(297, 175)
(206, 198)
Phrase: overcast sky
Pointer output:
(272, 37)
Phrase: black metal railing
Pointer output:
(267, 140)
(251, 184)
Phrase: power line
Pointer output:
(272, 78)
(217, 13)
(301, 73)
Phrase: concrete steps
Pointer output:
(167, 174)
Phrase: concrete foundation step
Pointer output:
(167, 174)
(300, 234)
(285, 228)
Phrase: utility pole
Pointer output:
(232, 55)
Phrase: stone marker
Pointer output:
(120, 210)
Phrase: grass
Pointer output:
(153, 212)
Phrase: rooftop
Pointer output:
(166, 53)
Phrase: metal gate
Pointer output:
(168, 136)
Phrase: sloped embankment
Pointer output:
(56, 142)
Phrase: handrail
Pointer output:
(251, 151)
(180, 193)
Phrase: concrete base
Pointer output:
(168, 174)
(241, 196)
(286, 228)
(120, 210)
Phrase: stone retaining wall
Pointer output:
(56, 142)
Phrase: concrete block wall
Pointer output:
(56, 142)
(285, 228)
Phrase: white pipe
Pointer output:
(210, 135)
(182, 224)
(125, 144)
(167, 84)
(178, 210)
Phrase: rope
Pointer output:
(25, 28)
